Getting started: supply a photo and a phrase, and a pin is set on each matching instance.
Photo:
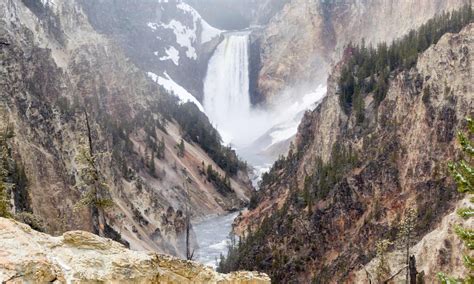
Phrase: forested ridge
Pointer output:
(368, 68)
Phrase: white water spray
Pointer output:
(227, 103)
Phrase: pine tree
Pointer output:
(97, 194)
(4, 200)
(463, 173)
(152, 166)
(160, 154)
(406, 234)
(383, 269)
(5, 187)
(180, 148)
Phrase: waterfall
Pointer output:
(226, 88)
(250, 130)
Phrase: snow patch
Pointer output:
(48, 2)
(171, 54)
(171, 86)
(153, 26)
(208, 32)
(187, 36)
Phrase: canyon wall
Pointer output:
(56, 69)
(347, 184)
(301, 41)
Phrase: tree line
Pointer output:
(367, 69)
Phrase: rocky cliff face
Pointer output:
(305, 37)
(346, 185)
(81, 257)
(54, 66)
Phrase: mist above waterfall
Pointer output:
(227, 101)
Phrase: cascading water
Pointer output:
(226, 87)
(227, 103)
(251, 131)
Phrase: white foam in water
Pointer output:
(213, 238)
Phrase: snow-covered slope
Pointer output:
(168, 38)
(172, 87)
(196, 32)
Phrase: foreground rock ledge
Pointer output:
(79, 257)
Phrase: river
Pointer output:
(212, 237)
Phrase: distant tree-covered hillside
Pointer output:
(368, 68)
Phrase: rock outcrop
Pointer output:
(27, 256)
(346, 184)
(302, 41)
(438, 251)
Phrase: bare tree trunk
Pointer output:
(412, 269)
(189, 253)
(394, 275)
(89, 133)
(408, 257)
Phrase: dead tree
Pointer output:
(412, 269)
(189, 252)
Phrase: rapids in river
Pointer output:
(213, 238)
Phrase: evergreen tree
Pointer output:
(463, 173)
(406, 235)
(5, 186)
(368, 69)
(4, 200)
(160, 153)
(180, 148)
(152, 167)
(97, 194)
(383, 269)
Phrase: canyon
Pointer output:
(395, 159)
(191, 110)
(305, 38)
(56, 69)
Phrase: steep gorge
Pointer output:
(61, 60)
(301, 228)
(56, 66)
